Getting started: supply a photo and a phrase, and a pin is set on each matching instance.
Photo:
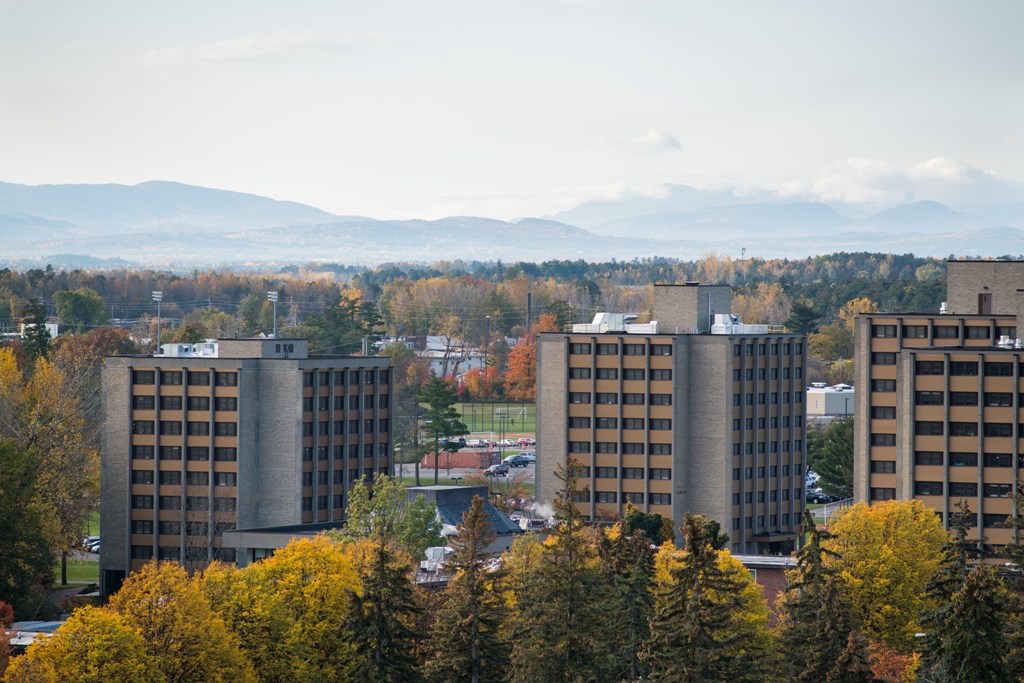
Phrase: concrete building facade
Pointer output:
(709, 419)
(940, 397)
(234, 434)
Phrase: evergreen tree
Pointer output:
(560, 620)
(467, 643)
(26, 562)
(443, 420)
(628, 558)
(1013, 576)
(967, 640)
(818, 630)
(694, 634)
(36, 337)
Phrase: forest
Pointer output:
(883, 595)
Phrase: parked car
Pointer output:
(92, 544)
(531, 456)
(525, 441)
(516, 461)
(499, 470)
(475, 443)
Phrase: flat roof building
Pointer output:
(940, 398)
(233, 434)
(693, 412)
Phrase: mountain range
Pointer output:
(177, 226)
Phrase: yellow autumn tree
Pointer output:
(854, 307)
(94, 646)
(886, 553)
(767, 304)
(181, 632)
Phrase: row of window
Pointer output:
(627, 374)
(632, 473)
(748, 522)
(357, 376)
(635, 498)
(964, 368)
(191, 453)
(773, 496)
(942, 331)
(961, 459)
(765, 349)
(194, 553)
(173, 428)
(339, 451)
(603, 398)
(991, 399)
(934, 428)
(763, 471)
(766, 447)
(324, 478)
(368, 426)
(201, 503)
(199, 378)
(220, 403)
(962, 488)
(174, 528)
(612, 447)
(324, 402)
(765, 373)
(627, 349)
(762, 398)
(762, 422)
(173, 477)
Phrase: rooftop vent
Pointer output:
(943, 308)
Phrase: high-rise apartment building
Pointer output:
(939, 399)
(692, 413)
(233, 434)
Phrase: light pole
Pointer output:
(158, 296)
(487, 343)
(272, 296)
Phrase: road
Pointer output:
(427, 473)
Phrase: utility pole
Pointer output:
(272, 296)
(158, 296)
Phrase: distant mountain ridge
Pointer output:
(174, 225)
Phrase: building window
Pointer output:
(661, 424)
(170, 377)
(198, 453)
(930, 367)
(170, 403)
(607, 373)
(607, 422)
(142, 452)
(579, 446)
(928, 428)
(172, 428)
(142, 552)
(883, 412)
(605, 497)
(976, 332)
(659, 473)
(883, 358)
(998, 429)
(927, 488)
(633, 350)
(606, 472)
(142, 526)
(581, 497)
(963, 488)
(661, 375)
(633, 399)
(607, 349)
(994, 520)
(661, 399)
(883, 466)
(606, 447)
(999, 369)
(998, 460)
(225, 454)
(224, 504)
(998, 399)
(606, 399)
(883, 439)
(632, 473)
(927, 458)
(143, 402)
(963, 398)
(198, 402)
(883, 494)
(142, 426)
(170, 502)
(961, 368)
(196, 428)
(579, 397)
(225, 428)
(963, 429)
(225, 479)
(579, 349)
(661, 349)
(227, 404)
(225, 379)
(170, 478)
(632, 448)
(883, 330)
(170, 452)
(197, 478)
(633, 373)
(634, 498)
(199, 379)
(632, 423)
(915, 331)
(883, 385)
(143, 377)
(354, 377)
(579, 373)
(945, 332)
(962, 459)
(659, 448)
(142, 476)
(997, 490)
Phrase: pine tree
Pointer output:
(444, 421)
(36, 336)
(560, 611)
(467, 643)
(693, 630)
(629, 560)
(818, 628)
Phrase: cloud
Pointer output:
(879, 183)
(256, 47)
(656, 142)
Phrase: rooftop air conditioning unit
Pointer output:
(943, 308)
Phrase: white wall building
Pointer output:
(834, 401)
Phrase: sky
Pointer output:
(402, 109)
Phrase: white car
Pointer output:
(529, 455)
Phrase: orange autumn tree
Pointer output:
(484, 384)
(521, 376)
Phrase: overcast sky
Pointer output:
(507, 109)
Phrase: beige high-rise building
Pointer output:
(939, 399)
(695, 412)
(234, 434)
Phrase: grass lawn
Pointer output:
(486, 418)
(79, 571)
(94, 524)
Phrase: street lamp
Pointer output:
(272, 296)
(158, 296)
